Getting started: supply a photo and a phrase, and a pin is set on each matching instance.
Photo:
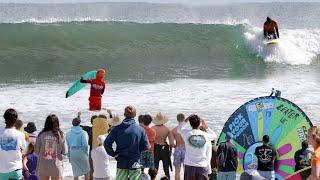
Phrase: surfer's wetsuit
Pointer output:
(96, 91)
(270, 29)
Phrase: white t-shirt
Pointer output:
(198, 146)
(12, 143)
(100, 161)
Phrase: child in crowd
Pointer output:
(30, 164)
(147, 157)
(78, 150)
(100, 161)
(313, 138)
(30, 132)
(18, 124)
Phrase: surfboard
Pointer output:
(271, 41)
(77, 86)
(100, 126)
(300, 175)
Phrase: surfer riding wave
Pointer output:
(270, 29)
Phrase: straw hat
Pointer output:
(160, 119)
(115, 121)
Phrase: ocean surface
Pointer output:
(171, 58)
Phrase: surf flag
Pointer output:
(285, 123)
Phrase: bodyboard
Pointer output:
(77, 85)
(300, 175)
(100, 126)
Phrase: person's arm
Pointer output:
(83, 81)
(23, 144)
(217, 157)
(67, 140)
(210, 134)
(109, 112)
(24, 165)
(64, 146)
(108, 143)
(102, 91)
(277, 30)
(235, 156)
(171, 139)
(85, 140)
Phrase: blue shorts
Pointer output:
(147, 159)
(17, 174)
(178, 156)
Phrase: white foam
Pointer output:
(295, 47)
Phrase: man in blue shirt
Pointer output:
(131, 140)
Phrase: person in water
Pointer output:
(270, 29)
(96, 91)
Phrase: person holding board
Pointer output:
(96, 90)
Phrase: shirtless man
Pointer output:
(161, 147)
(270, 29)
(179, 151)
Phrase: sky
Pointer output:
(155, 1)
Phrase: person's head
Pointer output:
(180, 117)
(269, 19)
(102, 116)
(304, 145)
(93, 117)
(153, 173)
(10, 117)
(115, 121)
(101, 139)
(76, 121)
(130, 112)
(160, 119)
(18, 124)
(265, 139)
(229, 136)
(52, 124)
(194, 121)
(101, 73)
(31, 128)
(313, 136)
(147, 119)
(140, 119)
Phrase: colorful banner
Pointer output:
(284, 122)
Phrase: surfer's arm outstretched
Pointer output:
(83, 81)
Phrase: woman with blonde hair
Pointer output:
(313, 139)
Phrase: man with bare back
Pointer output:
(179, 148)
(161, 147)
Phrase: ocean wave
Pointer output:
(295, 46)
